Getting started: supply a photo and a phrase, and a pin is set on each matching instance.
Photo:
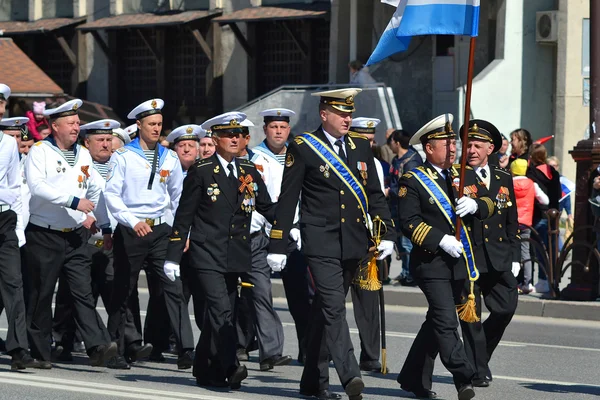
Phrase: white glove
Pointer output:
(21, 237)
(385, 248)
(466, 205)
(276, 261)
(451, 246)
(516, 268)
(171, 270)
(295, 236)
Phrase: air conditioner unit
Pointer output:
(546, 27)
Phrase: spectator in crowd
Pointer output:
(564, 204)
(520, 141)
(43, 132)
(37, 119)
(387, 154)
(527, 192)
(549, 181)
(359, 74)
(406, 159)
(503, 153)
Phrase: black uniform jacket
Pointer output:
(425, 224)
(219, 216)
(498, 235)
(331, 221)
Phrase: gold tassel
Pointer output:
(468, 311)
(383, 361)
(372, 282)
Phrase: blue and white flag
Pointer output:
(425, 17)
(567, 187)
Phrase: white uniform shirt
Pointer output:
(56, 187)
(10, 182)
(25, 193)
(102, 204)
(127, 195)
(272, 172)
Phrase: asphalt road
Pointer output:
(541, 358)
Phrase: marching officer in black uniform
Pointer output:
(335, 172)
(497, 253)
(440, 263)
(215, 209)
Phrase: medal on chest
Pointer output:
(164, 174)
(324, 169)
(213, 191)
(503, 198)
(362, 170)
(59, 167)
(249, 188)
(83, 178)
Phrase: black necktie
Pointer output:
(231, 176)
(483, 173)
(341, 152)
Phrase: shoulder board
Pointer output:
(407, 175)
(38, 143)
(298, 140)
(420, 168)
(457, 166)
(203, 163)
(501, 170)
(121, 150)
(173, 154)
(246, 163)
(356, 136)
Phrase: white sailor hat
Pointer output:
(438, 128)
(131, 130)
(149, 107)
(121, 134)
(15, 124)
(100, 127)
(364, 125)
(277, 114)
(228, 122)
(186, 132)
(4, 92)
(64, 110)
(246, 124)
(340, 99)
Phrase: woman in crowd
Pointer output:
(520, 141)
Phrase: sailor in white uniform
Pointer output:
(65, 190)
(184, 140)
(4, 95)
(366, 303)
(11, 231)
(269, 157)
(144, 179)
(98, 139)
(120, 138)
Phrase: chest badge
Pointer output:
(325, 170)
(213, 191)
(362, 170)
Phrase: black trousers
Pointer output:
(102, 274)
(366, 314)
(328, 334)
(216, 349)
(11, 283)
(50, 253)
(157, 317)
(500, 296)
(298, 286)
(131, 254)
(438, 334)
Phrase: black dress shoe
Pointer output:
(354, 388)
(466, 392)
(156, 356)
(22, 360)
(371, 366)
(186, 360)
(421, 393)
(118, 362)
(242, 354)
(275, 361)
(2, 346)
(237, 376)
(137, 351)
(484, 382)
(321, 395)
(101, 353)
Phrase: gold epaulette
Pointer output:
(298, 140)
(356, 135)
(202, 163)
(420, 233)
(40, 143)
(489, 203)
(457, 166)
(407, 175)
(503, 170)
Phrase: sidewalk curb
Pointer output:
(528, 305)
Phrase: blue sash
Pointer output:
(444, 204)
(341, 170)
